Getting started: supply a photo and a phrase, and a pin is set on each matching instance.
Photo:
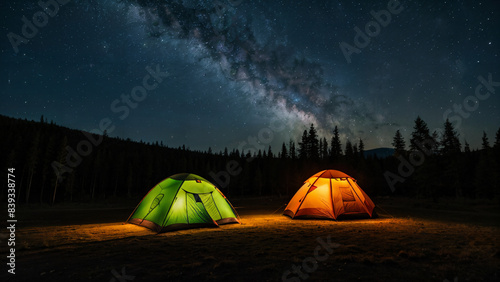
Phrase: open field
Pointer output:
(408, 242)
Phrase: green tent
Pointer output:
(183, 201)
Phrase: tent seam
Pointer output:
(308, 190)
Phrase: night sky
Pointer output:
(234, 66)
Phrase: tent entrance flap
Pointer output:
(195, 209)
(211, 206)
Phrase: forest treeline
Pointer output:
(430, 166)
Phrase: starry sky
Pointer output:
(230, 70)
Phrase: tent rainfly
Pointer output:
(183, 201)
(330, 194)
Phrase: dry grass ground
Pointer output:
(417, 244)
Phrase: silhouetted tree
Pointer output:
(284, 152)
(126, 168)
(324, 149)
(349, 151)
(48, 154)
(61, 159)
(321, 148)
(449, 141)
(485, 175)
(485, 145)
(303, 145)
(361, 148)
(313, 142)
(497, 140)
(435, 142)
(420, 135)
(336, 146)
(399, 143)
(293, 154)
(466, 147)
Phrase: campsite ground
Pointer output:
(410, 241)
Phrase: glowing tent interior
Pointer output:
(330, 194)
(183, 201)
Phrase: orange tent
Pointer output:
(329, 194)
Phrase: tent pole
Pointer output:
(331, 198)
(362, 203)
(308, 190)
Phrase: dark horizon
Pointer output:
(491, 140)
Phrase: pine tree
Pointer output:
(449, 141)
(435, 142)
(303, 145)
(420, 135)
(336, 146)
(284, 152)
(48, 154)
(349, 151)
(497, 140)
(313, 149)
(466, 147)
(292, 153)
(361, 148)
(320, 148)
(398, 143)
(61, 160)
(324, 148)
(485, 144)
